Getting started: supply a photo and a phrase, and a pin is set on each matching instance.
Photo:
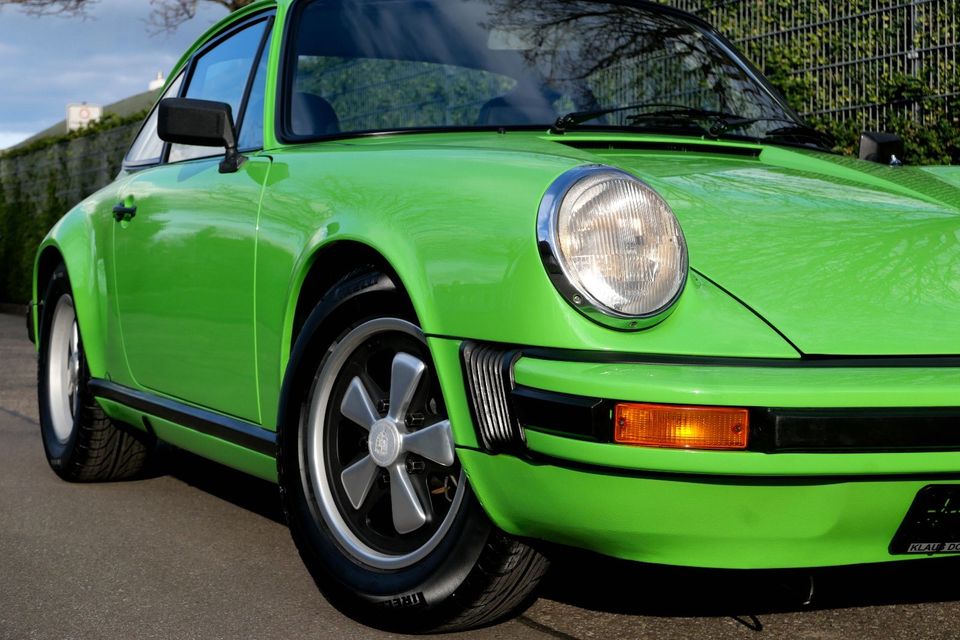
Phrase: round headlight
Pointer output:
(612, 246)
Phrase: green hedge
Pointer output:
(39, 182)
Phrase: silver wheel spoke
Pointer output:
(73, 365)
(382, 360)
(404, 380)
(358, 406)
(408, 514)
(357, 480)
(433, 443)
(62, 367)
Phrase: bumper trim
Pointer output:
(772, 430)
(567, 415)
(855, 430)
(537, 458)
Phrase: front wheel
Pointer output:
(81, 442)
(378, 503)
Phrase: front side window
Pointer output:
(148, 147)
(220, 74)
(251, 127)
(369, 65)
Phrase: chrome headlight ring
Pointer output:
(638, 265)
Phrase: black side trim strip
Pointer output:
(233, 430)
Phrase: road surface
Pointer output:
(199, 551)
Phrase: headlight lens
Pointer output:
(616, 251)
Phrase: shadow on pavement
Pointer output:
(238, 488)
(599, 583)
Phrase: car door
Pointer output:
(184, 261)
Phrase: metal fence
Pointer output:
(861, 60)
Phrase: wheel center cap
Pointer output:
(384, 442)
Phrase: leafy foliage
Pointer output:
(857, 65)
(40, 181)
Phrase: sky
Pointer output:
(50, 61)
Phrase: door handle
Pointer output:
(122, 212)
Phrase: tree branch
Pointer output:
(49, 7)
(166, 15)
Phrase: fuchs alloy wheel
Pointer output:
(378, 503)
(80, 441)
(378, 448)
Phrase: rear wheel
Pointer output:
(80, 441)
(378, 503)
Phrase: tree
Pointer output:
(167, 15)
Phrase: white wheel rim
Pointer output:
(63, 368)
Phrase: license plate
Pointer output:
(932, 525)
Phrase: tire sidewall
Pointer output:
(427, 584)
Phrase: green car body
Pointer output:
(815, 282)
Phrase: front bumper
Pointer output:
(730, 509)
(703, 521)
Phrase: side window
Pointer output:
(148, 146)
(221, 75)
(251, 129)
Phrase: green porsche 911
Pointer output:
(465, 277)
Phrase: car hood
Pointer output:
(842, 257)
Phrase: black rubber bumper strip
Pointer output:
(233, 430)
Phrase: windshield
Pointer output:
(387, 65)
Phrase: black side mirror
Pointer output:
(885, 148)
(202, 123)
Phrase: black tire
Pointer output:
(468, 573)
(82, 444)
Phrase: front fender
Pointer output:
(82, 240)
(458, 226)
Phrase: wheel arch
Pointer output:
(74, 253)
(337, 268)
(48, 258)
(324, 267)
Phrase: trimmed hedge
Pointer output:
(40, 182)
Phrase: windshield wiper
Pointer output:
(822, 139)
(664, 111)
(720, 122)
(792, 130)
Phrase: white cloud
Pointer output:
(10, 138)
(48, 62)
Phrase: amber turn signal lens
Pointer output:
(680, 427)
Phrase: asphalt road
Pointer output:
(199, 551)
